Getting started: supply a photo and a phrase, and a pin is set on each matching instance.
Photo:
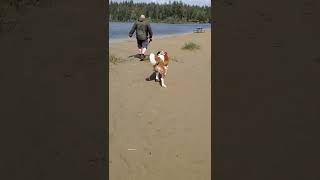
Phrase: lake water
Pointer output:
(119, 31)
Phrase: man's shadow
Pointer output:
(135, 56)
(138, 57)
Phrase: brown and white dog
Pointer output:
(160, 65)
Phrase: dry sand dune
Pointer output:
(167, 128)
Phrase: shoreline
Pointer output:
(133, 39)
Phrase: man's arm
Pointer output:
(150, 31)
(132, 29)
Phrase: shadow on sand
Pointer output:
(138, 57)
(135, 56)
(152, 77)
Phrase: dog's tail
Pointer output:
(152, 59)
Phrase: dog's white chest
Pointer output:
(161, 57)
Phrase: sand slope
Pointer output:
(168, 127)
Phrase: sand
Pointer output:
(160, 133)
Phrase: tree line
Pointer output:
(172, 12)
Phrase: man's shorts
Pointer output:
(142, 43)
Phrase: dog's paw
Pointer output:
(164, 86)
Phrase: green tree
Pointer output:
(174, 12)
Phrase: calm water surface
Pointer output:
(119, 31)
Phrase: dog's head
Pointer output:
(161, 53)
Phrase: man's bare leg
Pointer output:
(142, 52)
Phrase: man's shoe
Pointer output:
(142, 57)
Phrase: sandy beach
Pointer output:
(160, 133)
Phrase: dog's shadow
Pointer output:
(152, 77)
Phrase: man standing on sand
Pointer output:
(143, 29)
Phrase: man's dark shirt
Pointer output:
(142, 29)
